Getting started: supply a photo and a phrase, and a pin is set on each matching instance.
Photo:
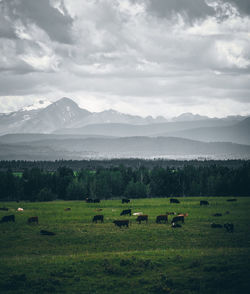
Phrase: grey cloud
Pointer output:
(192, 9)
(242, 5)
(48, 18)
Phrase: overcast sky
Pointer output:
(146, 57)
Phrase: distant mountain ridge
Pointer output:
(63, 130)
(64, 113)
(65, 116)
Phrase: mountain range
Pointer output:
(62, 129)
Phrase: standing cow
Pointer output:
(162, 218)
(125, 200)
(174, 200)
(121, 223)
(177, 219)
(141, 218)
(8, 218)
(98, 217)
(126, 211)
(204, 202)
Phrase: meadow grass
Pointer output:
(149, 258)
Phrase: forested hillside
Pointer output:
(115, 182)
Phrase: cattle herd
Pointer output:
(163, 218)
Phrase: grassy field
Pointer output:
(149, 258)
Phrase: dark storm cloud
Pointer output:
(242, 5)
(192, 9)
(46, 17)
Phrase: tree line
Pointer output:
(35, 184)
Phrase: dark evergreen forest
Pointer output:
(138, 181)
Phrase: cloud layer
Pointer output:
(147, 57)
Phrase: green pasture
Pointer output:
(84, 257)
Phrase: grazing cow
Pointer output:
(232, 200)
(125, 201)
(121, 223)
(67, 209)
(98, 217)
(8, 218)
(229, 227)
(20, 209)
(96, 201)
(98, 209)
(4, 208)
(217, 214)
(174, 200)
(43, 232)
(126, 211)
(89, 200)
(141, 218)
(175, 225)
(33, 219)
(162, 217)
(137, 213)
(204, 202)
(177, 219)
(213, 225)
(170, 213)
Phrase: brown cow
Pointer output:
(141, 218)
(162, 217)
(98, 217)
(183, 214)
(120, 223)
(177, 219)
(33, 219)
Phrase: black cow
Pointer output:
(8, 218)
(126, 211)
(125, 201)
(232, 200)
(175, 225)
(33, 219)
(213, 225)
(43, 232)
(4, 208)
(229, 227)
(89, 200)
(162, 217)
(217, 214)
(174, 200)
(121, 223)
(178, 219)
(96, 201)
(143, 217)
(98, 217)
(204, 202)
(67, 209)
